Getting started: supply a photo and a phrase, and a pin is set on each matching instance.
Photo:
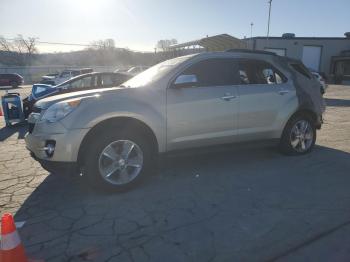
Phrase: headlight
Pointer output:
(60, 110)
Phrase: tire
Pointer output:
(94, 158)
(291, 142)
(14, 84)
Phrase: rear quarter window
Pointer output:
(300, 68)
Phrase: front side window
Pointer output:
(214, 72)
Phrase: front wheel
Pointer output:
(117, 161)
(299, 136)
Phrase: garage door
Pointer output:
(312, 57)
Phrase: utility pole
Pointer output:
(268, 23)
(251, 34)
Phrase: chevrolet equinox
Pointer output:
(113, 135)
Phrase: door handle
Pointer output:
(283, 92)
(228, 97)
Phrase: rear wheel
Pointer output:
(299, 136)
(117, 161)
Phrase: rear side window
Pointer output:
(300, 68)
(107, 80)
(271, 75)
(214, 72)
(85, 82)
(254, 72)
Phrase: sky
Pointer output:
(139, 24)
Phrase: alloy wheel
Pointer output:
(301, 136)
(120, 162)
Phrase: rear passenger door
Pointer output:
(206, 113)
(263, 92)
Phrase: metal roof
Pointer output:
(297, 38)
(213, 43)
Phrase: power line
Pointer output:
(76, 44)
(55, 43)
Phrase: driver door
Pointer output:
(205, 110)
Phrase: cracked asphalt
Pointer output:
(241, 204)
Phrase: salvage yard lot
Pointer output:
(235, 205)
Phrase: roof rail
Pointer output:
(250, 51)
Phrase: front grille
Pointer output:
(30, 127)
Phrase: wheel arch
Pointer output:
(302, 111)
(118, 122)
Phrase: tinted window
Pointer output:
(258, 72)
(271, 75)
(108, 80)
(214, 72)
(85, 82)
(248, 73)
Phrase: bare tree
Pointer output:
(103, 44)
(165, 43)
(28, 45)
(20, 50)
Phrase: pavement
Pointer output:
(250, 204)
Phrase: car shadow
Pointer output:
(64, 212)
(337, 102)
(21, 129)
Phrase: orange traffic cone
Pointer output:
(11, 249)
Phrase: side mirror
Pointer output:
(185, 81)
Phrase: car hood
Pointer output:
(48, 101)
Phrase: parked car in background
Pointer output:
(136, 70)
(82, 82)
(13, 80)
(112, 136)
(55, 79)
(321, 80)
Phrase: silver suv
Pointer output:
(113, 135)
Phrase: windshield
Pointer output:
(41, 90)
(154, 72)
